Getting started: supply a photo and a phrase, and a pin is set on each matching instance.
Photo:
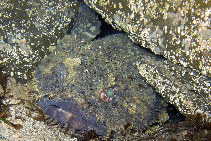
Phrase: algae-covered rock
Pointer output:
(29, 29)
(177, 29)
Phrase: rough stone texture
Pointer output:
(190, 97)
(29, 30)
(176, 29)
(87, 25)
(192, 129)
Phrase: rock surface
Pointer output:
(178, 30)
(80, 69)
(188, 91)
(29, 30)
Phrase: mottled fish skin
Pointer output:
(67, 112)
(82, 69)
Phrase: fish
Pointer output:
(68, 113)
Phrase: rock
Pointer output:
(29, 29)
(178, 30)
(194, 128)
(189, 92)
(87, 25)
